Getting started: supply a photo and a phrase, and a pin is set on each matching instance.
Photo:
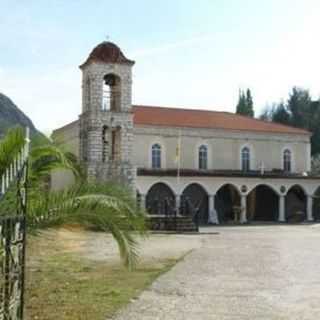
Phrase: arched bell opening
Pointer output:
(111, 93)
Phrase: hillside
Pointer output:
(11, 116)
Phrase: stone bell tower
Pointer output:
(106, 121)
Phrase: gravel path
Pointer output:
(269, 272)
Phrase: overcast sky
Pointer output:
(188, 53)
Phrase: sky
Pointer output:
(188, 53)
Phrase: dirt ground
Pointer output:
(74, 274)
(99, 246)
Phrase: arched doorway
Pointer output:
(316, 205)
(226, 201)
(262, 204)
(296, 204)
(160, 199)
(195, 198)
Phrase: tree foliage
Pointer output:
(106, 207)
(315, 164)
(299, 111)
(245, 103)
(10, 147)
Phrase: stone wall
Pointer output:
(97, 126)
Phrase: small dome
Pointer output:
(107, 52)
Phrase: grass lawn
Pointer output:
(66, 286)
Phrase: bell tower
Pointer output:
(106, 121)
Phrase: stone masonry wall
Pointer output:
(94, 122)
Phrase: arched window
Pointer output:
(203, 157)
(287, 160)
(111, 93)
(156, 156)
(245, 159)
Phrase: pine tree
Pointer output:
(280, 114)
(300, 107)
(299, 111)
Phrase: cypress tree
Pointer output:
(245, 103)
(249, 104)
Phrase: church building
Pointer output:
(220, 166)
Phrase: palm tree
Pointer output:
(108, 206)
(10, 146)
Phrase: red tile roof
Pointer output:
(107, 52)
(191, 118)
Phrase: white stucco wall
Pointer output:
(224, 148)
(68, 137)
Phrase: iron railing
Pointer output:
(13, 238)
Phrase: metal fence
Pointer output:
(13, 238)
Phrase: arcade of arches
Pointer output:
(230, 205)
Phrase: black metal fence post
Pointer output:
(7, 237)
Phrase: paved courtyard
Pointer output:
(261, 272)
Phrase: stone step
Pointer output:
(180, 224)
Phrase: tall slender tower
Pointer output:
(106, 121)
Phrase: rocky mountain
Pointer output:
(11, 116)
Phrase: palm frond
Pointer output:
(49, 157)
(106, 212)
(106, 206)
(10, 147)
